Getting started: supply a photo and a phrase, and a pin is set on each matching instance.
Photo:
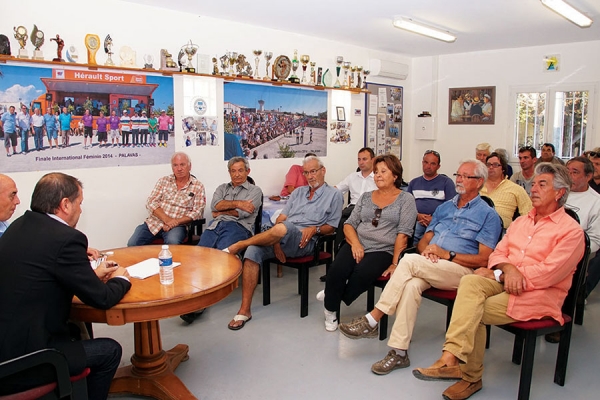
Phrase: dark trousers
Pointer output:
(347, 280)
(102, 357)
(339, 234)
(593, 276)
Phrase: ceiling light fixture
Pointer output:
(422, 29)
(567, 11)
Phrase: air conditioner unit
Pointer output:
(388, 69)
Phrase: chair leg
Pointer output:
(266, 278)
(383, 327)
(303, 285)
(580, 306)
(370, 298)
(517, 350)
(527, 366)
(563, 355)
(449, 309)
(488, 331)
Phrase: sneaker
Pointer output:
(390, 362)
(331, 322)
(321, 295)
(358, 329)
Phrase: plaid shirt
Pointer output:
(188, 201)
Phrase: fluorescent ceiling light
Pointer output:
(422, 29)
(567, 11)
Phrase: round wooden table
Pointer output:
(204, 277)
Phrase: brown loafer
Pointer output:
(438, 372)
(462, 390)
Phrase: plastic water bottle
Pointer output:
(165, 265)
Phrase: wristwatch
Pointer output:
(497, 274)
(452, 255)
(318, 231)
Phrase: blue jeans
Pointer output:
(142, 236)
(290, 244)
(223, 235)
(24, 140)
(102, 357)
(38, 137)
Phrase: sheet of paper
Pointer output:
(146, 268)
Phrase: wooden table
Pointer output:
(204, 277)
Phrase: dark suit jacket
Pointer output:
(43, 263)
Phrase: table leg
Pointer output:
(279, 271)
(151, 370)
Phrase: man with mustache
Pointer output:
(459, 239)
(311, 210)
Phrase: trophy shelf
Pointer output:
(93, 67)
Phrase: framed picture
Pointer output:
(471, 105)
(341, 114)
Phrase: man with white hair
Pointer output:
(482, 151)
(9, 200)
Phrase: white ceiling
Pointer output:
(479, 24)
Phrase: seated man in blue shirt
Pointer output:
(461, 236)
(313, 209)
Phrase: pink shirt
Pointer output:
(294, 178)
(163, 123)
(546, 254)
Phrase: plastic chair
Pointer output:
(63, 386)
(322, 254)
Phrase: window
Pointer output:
(555, 116)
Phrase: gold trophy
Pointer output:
(92, 44)
(338, 60)
(215, 66)
(257, 54)
(37, 39)
(295, 64)
(359, 77)
(268, 56)
(346, 66)
(166, 61)
(108, 50)
(304, 59)
(352, 71)
(313, 77)
(232, 56)
(190, 50)
(21, 36)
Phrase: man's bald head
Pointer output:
(9, 200)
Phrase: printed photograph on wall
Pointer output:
(199, 131)
(340, 132)
(471, 106)
(264, 121)
(76, 118)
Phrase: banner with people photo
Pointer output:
(65, 118)
(265, 121)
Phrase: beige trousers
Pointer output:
(402, 294)
(480, 301)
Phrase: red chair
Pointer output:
(321, 255)
(64, 386)
(526, 333)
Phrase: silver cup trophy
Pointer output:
(257, 54)
(268, 57)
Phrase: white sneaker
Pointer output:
(331, 322)
(321, 295)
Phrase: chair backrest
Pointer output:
(258, 219)
(489, 201)
(568, 307)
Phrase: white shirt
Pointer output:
(357, 185)
(37, 120)
(587, 206)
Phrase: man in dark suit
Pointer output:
(43, 263)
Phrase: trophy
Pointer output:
(232, 57)
(127, 56)
(319, 76)
(257, 54)
(268, 56)
(37, 39)
(224, 63)
(215, 66)
(92, 43)
(304, 59)
(107, 50)
(4, 45)
(346, 66)
(59, 48)
(352, 72)
(190, 50)
(338, 60)
(21, 36)
(364, 83)
(359, 77)
(148, 61)
(72, 54)
(243, 67)
(294, 78)
(166, 61)
(313, 80)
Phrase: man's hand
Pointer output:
(105, 270)
(424, 219)
(514, 281)
(279, 254)
(169, 224)
(434, 253)
(485, 272)
(390, 270)
(307, 234)
(93, 254)
(358, 252)
(120, 271)
(245, 205)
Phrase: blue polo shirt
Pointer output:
(50, 121)
(324, 208)
(9, 122)
(462, 229)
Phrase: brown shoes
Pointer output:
(462, 390)
(438, 372)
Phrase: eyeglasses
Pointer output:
(593, 154)
(493, 165)
(435, 153)
(311, 172)
(466, 176)
(375, 220)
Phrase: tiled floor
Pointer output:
(279, 355)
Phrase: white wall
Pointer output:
(505, 69)
(115, 197)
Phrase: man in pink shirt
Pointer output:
(528, 277)
(163, 129)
